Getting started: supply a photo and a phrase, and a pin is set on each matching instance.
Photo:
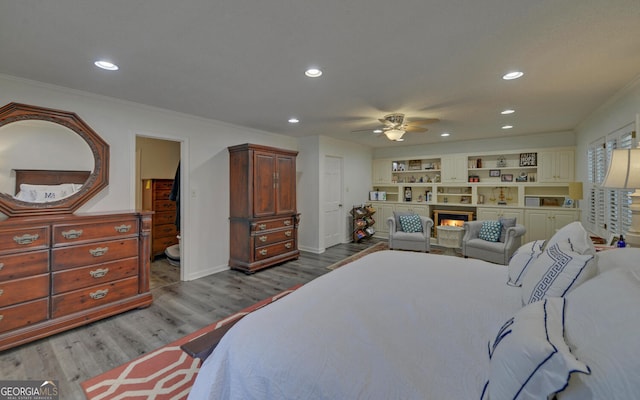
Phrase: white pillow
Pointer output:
(521, 260)
(47, 193)
(614, 258)
(529, 358)
(556, 271)
(578, 236)
(24, 195)
(602, 327)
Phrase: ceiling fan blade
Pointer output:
(411, 128)
(366, 130)
(424, 121)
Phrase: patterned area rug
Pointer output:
(166, 373)
(435, 249)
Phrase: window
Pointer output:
(608, 209)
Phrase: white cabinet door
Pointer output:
(383, 211)
(484, 214)
(542, 224)
(381, 171)
(556, 166)
(454, 169)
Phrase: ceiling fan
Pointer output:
(395, 126)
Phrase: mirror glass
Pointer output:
(40, 145)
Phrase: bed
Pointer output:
(404, 325)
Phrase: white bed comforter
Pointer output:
(391, 325)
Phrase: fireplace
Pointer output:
(451, 217)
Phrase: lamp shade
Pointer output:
(575, 190)
(624, 170)
(394, 134)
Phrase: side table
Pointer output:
(450, 237)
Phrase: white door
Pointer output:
(332, 201)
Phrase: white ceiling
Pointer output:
(243, 61)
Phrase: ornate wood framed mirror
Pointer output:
(51, 161)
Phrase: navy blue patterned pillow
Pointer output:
(490, 231)
(411, 223)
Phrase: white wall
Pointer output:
(205, 158)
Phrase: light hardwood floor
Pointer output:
(178, 309)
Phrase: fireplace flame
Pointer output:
(452, 222)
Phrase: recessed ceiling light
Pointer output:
(512, 75)
(313, 72)
(507, 127)
(445, 134)
(109, 66)
(293, 120)
(507, 111)
(377, 131)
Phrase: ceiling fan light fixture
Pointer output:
(313, 72)
(394, 134)
(512, 75)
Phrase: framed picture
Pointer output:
(415, 165)
(506, 177)
(528, 159)
(494, 173)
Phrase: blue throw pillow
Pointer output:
(411, 223)
(490, 231)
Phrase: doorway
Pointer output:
(332, 201)
(157, 189)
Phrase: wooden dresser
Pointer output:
(263, 215)
(156, 199)
(60, 272)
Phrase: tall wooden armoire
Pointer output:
(263, 215)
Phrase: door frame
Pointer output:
(341, 212)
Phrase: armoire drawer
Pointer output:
(23, 314)
(77, 278)
(164, 185)
(23, 264)
(24, 289)
(159, 244)
(164, 230)
(23, 239)
(94, 253)
(84, 299)
(262, 239)
(274, 250)
(163, 218)
(71, 233)
(164, 205)
(265, 225)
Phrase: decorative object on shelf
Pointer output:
(398, 166)
(501, 197)
(362, 218)
(480, 199)
(429, 165)
(506, 178)
(528, 159)
(494, 173)
(523, 177)
(474, 178)
(436, 179)
(415, 165)
(619, 176)
(501, 162)
(532, 176)
(407, 194)
(479, 163)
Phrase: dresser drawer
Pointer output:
(261, 239)
(23, 314)
(24, 289)
(94, 253)
(164, 230)
(164, 205)
(163, 193)
(164, 217)
(162, 185)
(265, 225)
(77, 278)
(159, 244)
(273, 250)
(21, 239)
(23, 264)
(83, 299)
(72, 233)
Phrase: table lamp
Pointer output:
(575, 192)
(624, 173)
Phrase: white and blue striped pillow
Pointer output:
(521, 260)
(529, 358)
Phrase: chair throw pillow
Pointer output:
(529, 358)
(396, 216)
(490, 231)
(411, 223)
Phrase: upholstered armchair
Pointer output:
(410, 239)
(499, 251)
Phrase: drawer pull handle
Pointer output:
(72, 234)
(1, 291)
(262, 227)
(287, 222)
(122, 228)
(26, 238)
(263, 252)
(287, 245)
(98, 251)
(99, 273)
(263, 238)
(287, 233)
(1, 266)
(1, 316)
(99, 294)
